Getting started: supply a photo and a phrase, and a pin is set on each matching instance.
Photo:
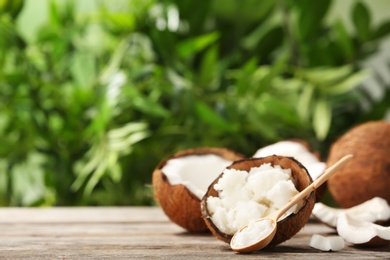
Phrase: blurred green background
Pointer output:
(94, 94)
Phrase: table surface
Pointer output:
(137, 232)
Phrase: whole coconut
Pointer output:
(367, 175)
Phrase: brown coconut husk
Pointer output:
(178, 203)
(287, 227)
(367, 174)
(374, 242)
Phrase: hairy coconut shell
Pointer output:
(375, 242)
(367, 174)
(178, 203)
(287, 227)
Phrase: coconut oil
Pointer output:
(253, 233)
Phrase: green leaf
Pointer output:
(343, 39)
(210, 117)
(124, 145)
(146, 104)
(83, 69)
(322, 117)
(289, 84)
(250, 10)
(96, 175)
(327, 75)
(115, 61)
(311, 16)
(362, 20)
(253, 39)
(242, 76)
(379, 109)
(209, 70)
(28, 180)
(305, 101)
(272, 106)
(103, 156)
(9, 35)
(190, 47)
(119, 22)
(261, 126)
(54, 14)
(3, 178)
(382, 31)
(127, 129)
(347, 84)
(270, 41)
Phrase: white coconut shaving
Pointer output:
(196, 172)
(247, 196)
(298, 152)
(373, 210)
(356, 231)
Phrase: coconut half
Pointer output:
(181, 181)
(301, 151)
(253, 188)
(362, 233)
(374, 210)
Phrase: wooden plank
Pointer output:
(137, 233)
(80, 214)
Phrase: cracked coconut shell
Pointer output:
(288, 226)
(367, 175)
(177, 201)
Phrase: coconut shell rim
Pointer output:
(308, 203)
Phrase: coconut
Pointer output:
(181, 180)
(253, 188)
(375, 210)
(359, 224)
(301, 151)
(367, 175)
(329, 243)
(362, 233)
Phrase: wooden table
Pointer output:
(136, 232)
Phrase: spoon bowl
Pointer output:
(260, 233)
(249, 238)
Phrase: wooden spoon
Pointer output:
(270, 221)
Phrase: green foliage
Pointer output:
(94, 101)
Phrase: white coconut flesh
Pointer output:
(298, 152)
(195, 172)
(330, 243)
(359, 232)
(373, 210)
(244, 197)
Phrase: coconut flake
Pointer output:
(298, 152)
(360, 232)
(373, 210)
(247, 196)
(196, 172)
(331, 243)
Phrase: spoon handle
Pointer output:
(329, 172)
